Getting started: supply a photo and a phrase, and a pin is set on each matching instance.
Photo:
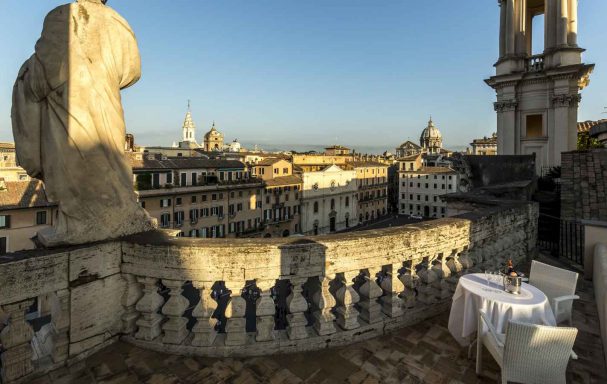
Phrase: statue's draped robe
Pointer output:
(68, 121)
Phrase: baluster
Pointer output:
(411, 281)
(265, 310)
(131, 296)
(369, 291)
(297, 305)
(443, 273)
(148, 306)
(427, 290)
(346, 296)
(204, 329)
(324, 302)
(236, 332)
(391, 303)
(456, 269)
(60, 322)
(16, 339)
(174, 328)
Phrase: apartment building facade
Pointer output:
(372, 188)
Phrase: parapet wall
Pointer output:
(245, 296)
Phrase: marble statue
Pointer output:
(68, 123)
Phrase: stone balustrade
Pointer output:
(535, 63)
(238, 297)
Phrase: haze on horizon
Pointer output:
(296, 75)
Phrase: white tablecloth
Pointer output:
(474, 292)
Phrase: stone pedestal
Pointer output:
(16, 339)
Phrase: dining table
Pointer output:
(477, 291)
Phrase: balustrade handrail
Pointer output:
(252, 296)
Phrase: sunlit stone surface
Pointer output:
(69, 126)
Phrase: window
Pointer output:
(410, 184)
(204, 212)
(204, 198)
(165, 203)
(178, 201)
(165, 220)
(347, 201)
(193, 199)
(170, 178)
(239, 193)
(214, 196)
(276, 171)
(534, 126)
(232, 195)
(179, 218)
(2, 245)
(41, 218)
(193, 178)
(332, 204)
(316, 207)
(285, 171)
(5, 221)
(221, 196)
(184, 179)
(411, 197)
(193, 215)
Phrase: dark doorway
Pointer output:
(332, 224)
(426, 211)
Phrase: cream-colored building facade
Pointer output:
(372, 185)
(24, 210)
(328, 200)
(420, 188)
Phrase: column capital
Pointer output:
(505, 106)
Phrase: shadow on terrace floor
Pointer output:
(423, 353)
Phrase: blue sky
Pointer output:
(291, 73)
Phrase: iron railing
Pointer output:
(562, 238)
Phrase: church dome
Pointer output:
(213, 133)
(430, 132)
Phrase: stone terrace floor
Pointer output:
(423, 353)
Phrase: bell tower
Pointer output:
(538, 95)
(189, 129)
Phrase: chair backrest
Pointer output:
(553, 281)
(537, 353)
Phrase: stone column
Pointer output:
(324, 302)
(148, 306)
(174, 328)
(550, 23)
(572, 36)
(131, 296)
(265, 310)
(16, 339)
(204, 329)
(391, 303)
(297, 305)
(60, 321)
(507, 135)
(346, 296)
(510, 32)
(236, 332)
(370, 291)
(503, 27)
(563, 21)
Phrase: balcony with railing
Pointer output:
(244, 297)
(534, 63)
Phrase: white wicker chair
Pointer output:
(527, 353)
(559, 286)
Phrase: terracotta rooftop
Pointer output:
(283, 180)
(431, 170)
(268, 161)
(7, 145)
(360, 164)
(410, 158)
(23, 194)
(146, 162)
(585, 126)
